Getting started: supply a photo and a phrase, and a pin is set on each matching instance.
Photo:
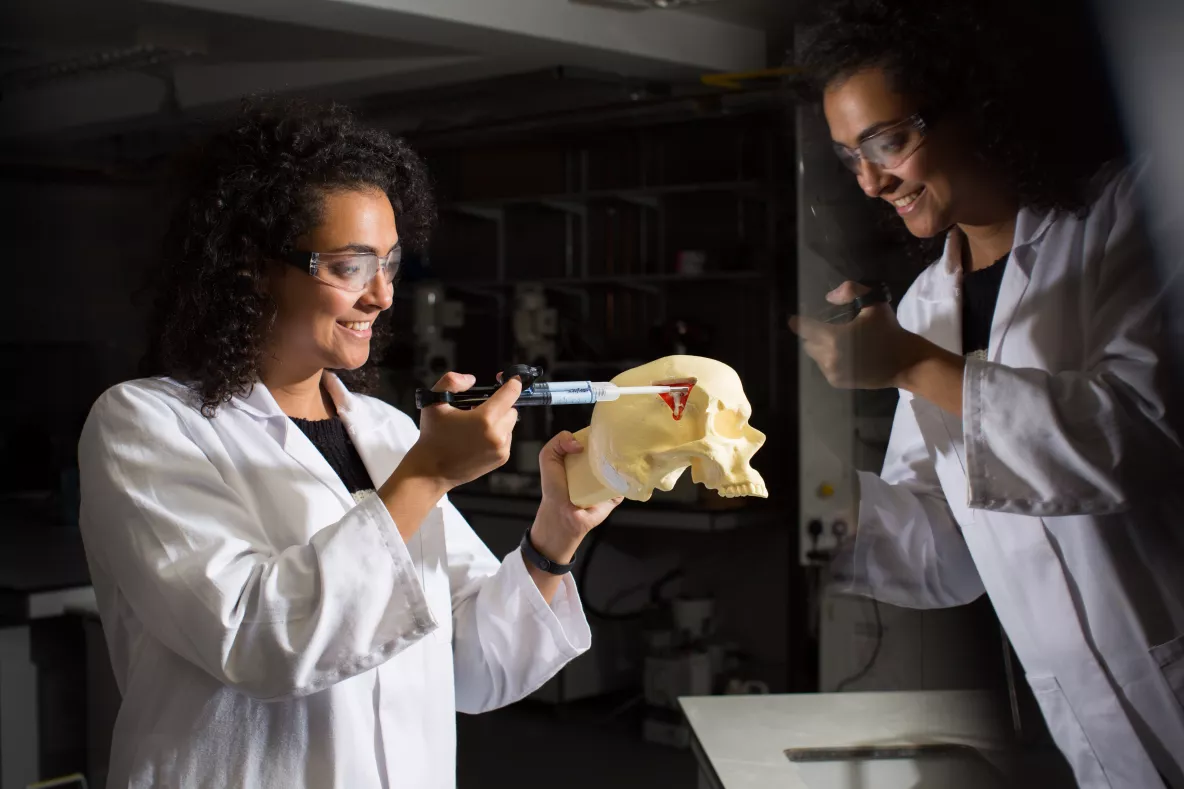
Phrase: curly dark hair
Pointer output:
(250, 191)
(1029, 76)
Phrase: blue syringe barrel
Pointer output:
(564, 386)
(561, 393)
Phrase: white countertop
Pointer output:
(745, 737)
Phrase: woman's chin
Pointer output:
(923, 226)
(351, 362)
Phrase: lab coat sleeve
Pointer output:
(1081, 442)
(187, 554)
(907, 549)
(507, 641)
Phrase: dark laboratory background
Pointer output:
(600, 207)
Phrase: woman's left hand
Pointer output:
(870, 352)
(561, 525)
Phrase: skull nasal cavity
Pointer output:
(677, 401)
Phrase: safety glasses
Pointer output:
(350, 271)
(887, 148)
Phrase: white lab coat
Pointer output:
(265, 630)
(1059, 491)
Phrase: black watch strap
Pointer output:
(542, 562)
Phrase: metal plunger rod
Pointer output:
(650, 390)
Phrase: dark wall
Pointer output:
(76, 255)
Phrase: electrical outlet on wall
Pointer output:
(828, 510)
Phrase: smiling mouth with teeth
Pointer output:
(356, 325)
(907, 200)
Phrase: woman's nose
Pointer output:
(379, 292)
(872, 180)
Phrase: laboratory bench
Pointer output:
(910, 739)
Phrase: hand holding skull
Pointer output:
(560, 525)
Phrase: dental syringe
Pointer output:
(549, 393)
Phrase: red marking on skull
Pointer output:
(677, 400)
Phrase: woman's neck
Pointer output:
(986, 244)
(299, 395)
(990, 227)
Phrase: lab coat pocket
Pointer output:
(1170, 657)
(1067, 732)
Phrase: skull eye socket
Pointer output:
(729, 424)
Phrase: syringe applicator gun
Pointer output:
(550, 393)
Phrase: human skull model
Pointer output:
(638, 443)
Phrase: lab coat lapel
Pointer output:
(261, 405)
(378, 443)
(1029, 230)
(382, 446)
(941, 297)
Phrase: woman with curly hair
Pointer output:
(1031, 456)
(289, 598)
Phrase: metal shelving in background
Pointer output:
(613, 263)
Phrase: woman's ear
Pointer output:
(267, 286)
(269, 274)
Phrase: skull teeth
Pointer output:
(756, 489)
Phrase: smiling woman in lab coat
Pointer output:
(288, 596)
(1031, 456)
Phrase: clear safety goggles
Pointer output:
(887, 148)
(350, 271)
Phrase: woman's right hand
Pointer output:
(457, 446)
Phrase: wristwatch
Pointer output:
(542, 562)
